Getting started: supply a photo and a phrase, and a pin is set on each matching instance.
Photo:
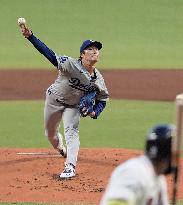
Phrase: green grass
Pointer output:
(124, 123)
(135, 34)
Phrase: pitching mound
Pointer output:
(31, 175)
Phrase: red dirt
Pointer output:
(124, 84)
(34, 178)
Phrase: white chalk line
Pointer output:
(46, 154)
(39, 154)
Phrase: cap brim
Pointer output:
(96, 44)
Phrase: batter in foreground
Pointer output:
(141, 180)
(76, 78)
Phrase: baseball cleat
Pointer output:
(69, 171)
(63, 152)
(61, 148)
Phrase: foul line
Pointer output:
(46, 154)
(39, 154)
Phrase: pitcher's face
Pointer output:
(91, 54)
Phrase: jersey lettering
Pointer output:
(75, 83)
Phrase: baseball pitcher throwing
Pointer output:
(79, 90)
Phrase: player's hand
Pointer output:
(92, 114)
(26, 32)
(84, 112)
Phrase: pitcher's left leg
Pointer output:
(71, 120)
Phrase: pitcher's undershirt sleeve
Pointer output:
(43, 49)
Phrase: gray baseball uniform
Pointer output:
(73, 81)
(64, 95)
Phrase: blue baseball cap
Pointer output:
(89, 43)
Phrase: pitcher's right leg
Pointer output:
(52, 117)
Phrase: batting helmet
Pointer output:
(159, 142)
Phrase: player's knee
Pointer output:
(71, 134)
(71, 131)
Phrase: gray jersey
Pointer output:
(74, 80)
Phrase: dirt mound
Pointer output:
(31, 175)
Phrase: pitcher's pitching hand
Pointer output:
(26, 32)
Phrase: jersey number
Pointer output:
(63, 59)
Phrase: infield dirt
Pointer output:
(35, 177)
(122, 84)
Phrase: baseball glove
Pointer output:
(86, 103)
